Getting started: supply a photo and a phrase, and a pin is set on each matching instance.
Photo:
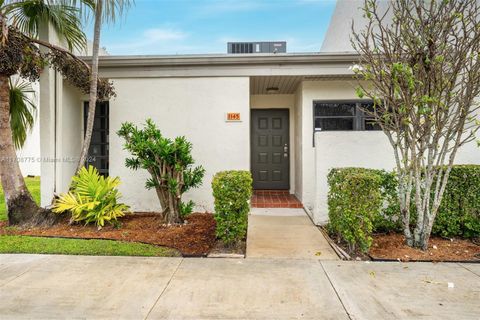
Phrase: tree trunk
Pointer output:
(21, 208)
(92, 101)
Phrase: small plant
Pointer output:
(354, 200)
(232, 191)
(169, 163)
(186, 208)
(92, 199)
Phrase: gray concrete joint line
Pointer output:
(164, 289)
(21, 274)
(335, 289)
(468, 269)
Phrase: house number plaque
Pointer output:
(233, 116)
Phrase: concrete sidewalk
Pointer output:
(54, 287)
(285, 233)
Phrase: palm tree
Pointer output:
(19, 54)
(108, 11)
(22, 111)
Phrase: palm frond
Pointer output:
(22, 111)
(28, 15)
(112, 9)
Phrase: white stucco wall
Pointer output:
(193, 107)
(307, 92)
(336, 149)
(69, 135)
(61, 132)
(368, 149)
(298, 142)
(281, 101)
(29, 155)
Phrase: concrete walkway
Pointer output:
(65, 287)
(287, 234)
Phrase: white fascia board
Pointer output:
(227, 65)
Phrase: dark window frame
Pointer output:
(104, 145)
(359, 117)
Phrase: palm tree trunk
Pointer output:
(92, 101)
(21, 209)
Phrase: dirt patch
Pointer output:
(194, 238)
(221, 248)
(392, 246)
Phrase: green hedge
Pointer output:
(458, 215)
(232, 191)
(354, 200)
(459, 212)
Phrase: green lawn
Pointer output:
(26, 244)
(33, 184)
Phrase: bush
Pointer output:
(169, 162)
(354, 200)
(232, 191)
(92, 199)
(459, 212)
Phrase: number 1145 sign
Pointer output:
(233, 116)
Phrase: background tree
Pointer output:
(20, 55)
(108, 11)
(421, 63)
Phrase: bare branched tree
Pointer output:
(420, 60)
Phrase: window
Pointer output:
(98, 151)
(343, 116)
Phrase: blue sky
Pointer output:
(205, 26)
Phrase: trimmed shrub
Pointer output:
(459, 212)
(92, 199)
(232, 191)
(354, 200)
(389, 218)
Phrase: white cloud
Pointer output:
(151, 41)
(159, 34)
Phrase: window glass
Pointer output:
(347, 116)
(331, 124)
(334, 109)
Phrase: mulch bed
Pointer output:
(194, 238)
(392, 247)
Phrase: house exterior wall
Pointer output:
(281, 101)
(61, 135)
(192, 107)
(334, 149)
(29, 155)
(298, 142)
(69, 135)
(307, 92)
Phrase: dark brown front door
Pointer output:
(270, 157)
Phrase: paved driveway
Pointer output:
(58, 287)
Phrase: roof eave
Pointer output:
(225, 59)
